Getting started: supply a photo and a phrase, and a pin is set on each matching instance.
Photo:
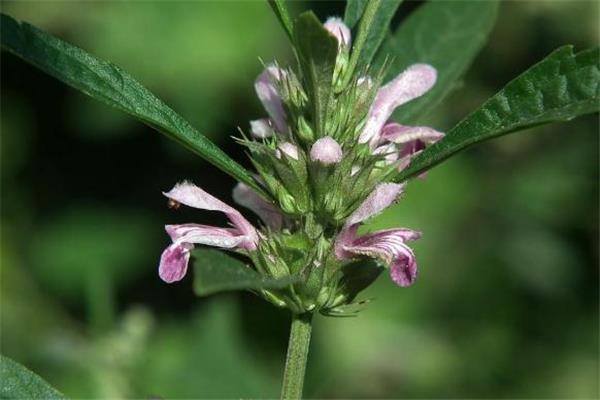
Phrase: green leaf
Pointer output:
(17, 382)
(353, 12)
(445, 34)
(373, 27)
(281, 11)
(561, 87)
(215, 271)
(317, 51)
(109, 84)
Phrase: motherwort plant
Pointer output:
(325, 172)
(336, 147)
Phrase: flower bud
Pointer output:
(266, 86)
(326, 151)
(261, 128)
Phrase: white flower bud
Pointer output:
(261, 128)
(326, 151)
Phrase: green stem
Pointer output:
(297, 354)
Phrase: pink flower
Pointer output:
(174, 260)
(326, 151)
(387, 245)
(415, 81)
(266, 90)
(338, 29)
(385, 138)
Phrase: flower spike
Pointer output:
(314, 179)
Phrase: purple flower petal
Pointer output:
(382, 197)
(408, 150)
(338, 29)
(410, 84)
(173, 262)
(266, 90)
(326, 151)
(227, 238)
(191, 195)
(270, 215)
(400, 234)
(387, 245)
(403, 270)
(343, 242)
(399, 134)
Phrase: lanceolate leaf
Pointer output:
(445, 34)
(354, 10)
(281, 11)
(215, 271)
(17, 382)
(559, 88)
(374, 24)
(317, 51)
(108, 83)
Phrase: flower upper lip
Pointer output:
(413, 82)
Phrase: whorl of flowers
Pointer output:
(323, 183)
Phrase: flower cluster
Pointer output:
(325, 177)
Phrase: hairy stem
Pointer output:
(297, 355)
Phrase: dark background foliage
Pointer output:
(506, 304)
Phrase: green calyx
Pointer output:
(321, 283)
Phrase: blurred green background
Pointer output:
(506, 304)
